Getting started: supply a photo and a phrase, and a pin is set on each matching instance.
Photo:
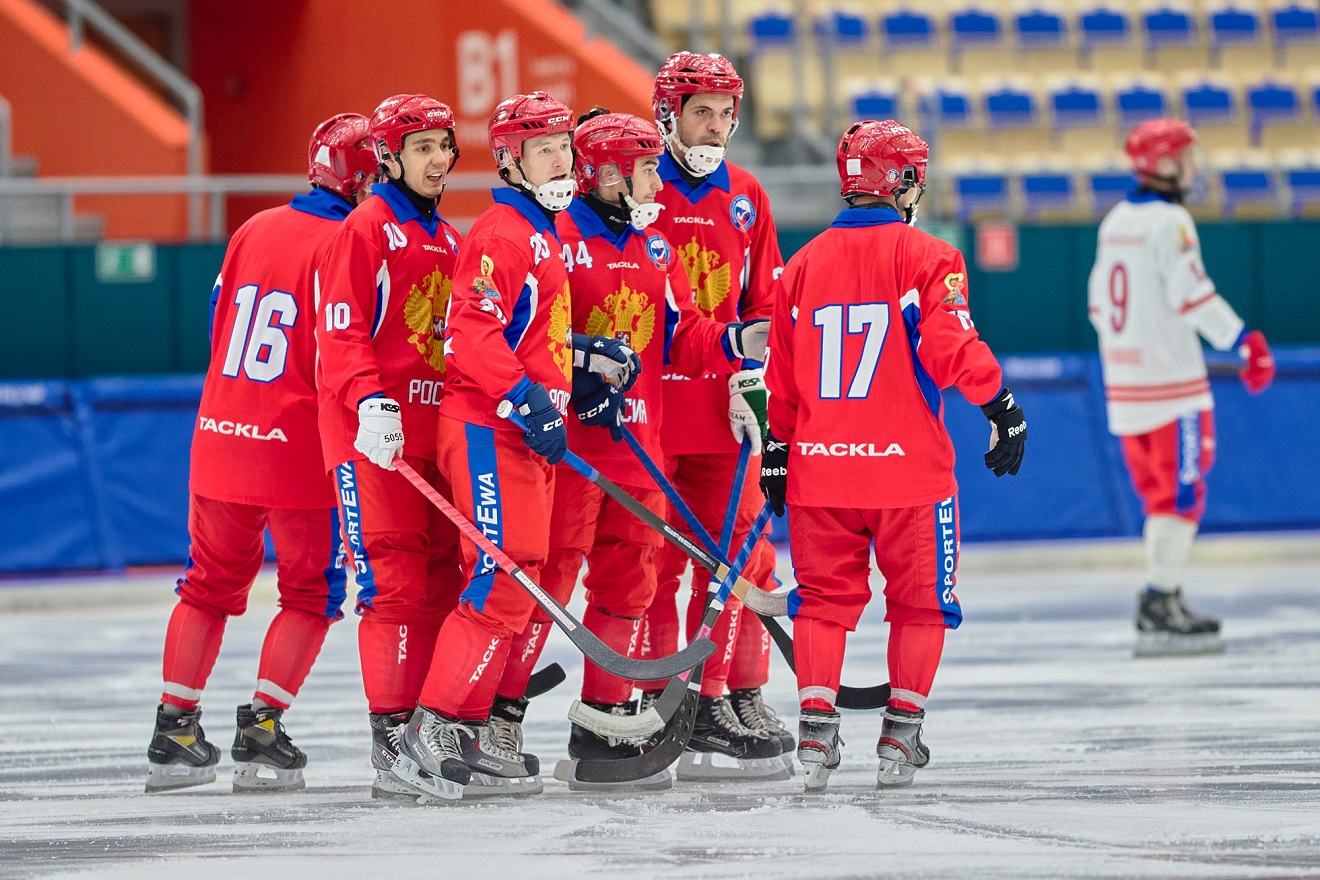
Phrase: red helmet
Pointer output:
(1157, 139)
(880, 159)
(523, 117)
(402, 115)
(339, 157)
(613, 139)
(691, 73)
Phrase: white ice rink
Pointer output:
(1055, 754)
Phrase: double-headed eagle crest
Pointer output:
(627, 317)
(424, 311)
(707, 274)
(560, 332)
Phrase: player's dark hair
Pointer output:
(592, 114)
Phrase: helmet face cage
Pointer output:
(522, 118)
(402, 115)
(340, 157)
(613, 139)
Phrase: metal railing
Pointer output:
(211, 193)
(84, 13)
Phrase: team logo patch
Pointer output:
(658, 250)
(1186, 244)
(742, 213)
(487, 266)
(588, 171)
(627, 317)
(424, 312)
(955, 281)
(708, 274)
(453, 242)
(892, 175)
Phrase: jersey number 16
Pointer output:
(259, 342)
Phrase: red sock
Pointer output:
(751, 654)
(914, 655)
(623, 635)
(392, 674)
(465, 654)
(659, 637)
(192, 642)
(293, 641)
(818, 647)
(524, 650)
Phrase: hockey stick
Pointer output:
(760, 601)
(593, 648)
(678, 731)
(658, 714)
(872, 697)
(547, 678)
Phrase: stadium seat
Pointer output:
(977, 45)
(1301, 174)
(876, 102)
(949, 101)
(679, 25)
(775, 59)
(1011, 109)
(1172, 40)
(1048, 191)
(1274, 112)
(1106, 39)
(1108, 187)
(981, 193)
(1249, 185)
(1296, 35)
(1236, 39)
(847, 36)
(1211, 105)
(1077, 114)
(909, 42)
(1042, 40)
(771, 29)
(1138, 100)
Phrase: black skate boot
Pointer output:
(385, 732)
(430, 756)
(818, 746)
(265, 759)
(506, 717)
(179, 754)
(1165, 627)
(724, 749)
(900, 749)
(753, 712)
(497, 768)
(585, 744)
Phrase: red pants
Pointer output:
(704, 482)
(1168, 465)
(406, 561)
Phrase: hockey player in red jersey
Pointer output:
(256, 465)
(508, 338)
(872, 321)
(718, 219)
(1150, 302)
(384, 289)
(628, 285)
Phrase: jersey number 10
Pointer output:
(871, 319)
(259, 344)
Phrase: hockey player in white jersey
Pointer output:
(1149, 300)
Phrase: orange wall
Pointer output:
(81, 115)
(267, 87)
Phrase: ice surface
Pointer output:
(1055, 754)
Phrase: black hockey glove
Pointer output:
(546, 434)
(774, 473)
(1009, 438)
(597, 402)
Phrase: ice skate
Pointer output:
(430, 757)
(900, 749)
(264, 757)
(723, 749)
(1166, 628)
(497, 768)
(385, 733)
(754, 713)
(587, 745)
(818, 747)
(179, 754)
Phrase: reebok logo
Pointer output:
(1017, 429)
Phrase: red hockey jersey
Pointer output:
(870, 323)
(725, 237)
(510, 318)
(256, 440)
(633, 288)
(384, 289)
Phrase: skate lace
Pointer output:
(507, 736)
(755, 714)
(441, 738)
(495, 745)
(729, 720)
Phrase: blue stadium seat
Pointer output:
(1076, 105)
(1234, 24)
(1208, 102)
(981, 192)
(848, 29)
(1272, 100)
(907, 28)
(1296, 24)
(772, 30)
(1009, 106)
(1102, 25)
(1108, 188)
(875, 104)
(1138, 103)
(1247, 186)
(1168, 26)
(951, 105)
(1046, 190)
(1040, 29)
(975, 26)
(1303, 188)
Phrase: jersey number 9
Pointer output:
(1118, 297)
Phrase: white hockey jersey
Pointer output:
(1149, 298)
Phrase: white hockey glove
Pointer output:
(748, 339)
(380, 431)
(747, 407)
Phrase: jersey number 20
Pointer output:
(871, 319)
(259, 343)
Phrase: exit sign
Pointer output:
(125, 262)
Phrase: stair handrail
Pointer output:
(82, 13)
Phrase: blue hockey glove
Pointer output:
(606, 357)
(546, 434)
